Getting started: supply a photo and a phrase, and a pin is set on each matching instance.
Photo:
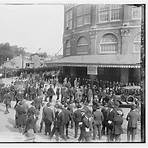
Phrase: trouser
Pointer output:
(76, 129)
(58, 96)
(131, 132)
(61, 131)
(7, 106)
(117, 137)
(97, 129)
(55, 131)
(48, 126)
(41, 125)
(110, 136)
(50, 98)
(84, 136)
(66, 126)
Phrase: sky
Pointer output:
(32, 27)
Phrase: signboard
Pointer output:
(92, 70)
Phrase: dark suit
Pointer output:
(110, 117)
(132, 118)
(77, 117)
(48, 118)
(60, 124)
(50, 93)
(98, 118)
(67, 119)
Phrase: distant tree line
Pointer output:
(8, 52)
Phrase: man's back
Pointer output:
(77, 115)
(98, 117)
(48, 113)
(132, 117)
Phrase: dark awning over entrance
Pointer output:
(115, 61)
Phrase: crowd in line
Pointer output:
(90, 110)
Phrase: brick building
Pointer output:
(104, 38)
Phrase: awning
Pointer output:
(114, 61)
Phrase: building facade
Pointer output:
(106, 37)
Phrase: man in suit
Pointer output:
(97, 124)
(133, 117)
(77, 117)
(67, 118)
(50, 93)
(48, 118)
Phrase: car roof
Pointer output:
(131, 87)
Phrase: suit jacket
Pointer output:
(98, 117)
(50, 92)
(132, 118)
(67, 116)
(60, 119)
(48, 114)
(118, 121)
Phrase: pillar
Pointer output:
(124, 75)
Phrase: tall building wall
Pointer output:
(91, 31)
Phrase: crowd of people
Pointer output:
(90, 110)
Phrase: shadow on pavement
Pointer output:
(11, 128)
(11, 121)
(1, 110)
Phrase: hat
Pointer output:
(48, 104)
(116, 104)
(133, 106)
(32, 103)
(58, 106)
(78, 106)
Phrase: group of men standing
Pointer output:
(79, 107)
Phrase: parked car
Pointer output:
(130, 95)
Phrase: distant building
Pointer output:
(102, 41)
(17, 62)
(38, 60)
(33, 61)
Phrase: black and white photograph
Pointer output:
(72, 72)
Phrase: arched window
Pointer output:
(67, 47)
(109, 44)
(137, 43)
(82, 46)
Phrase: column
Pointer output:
(124, 75)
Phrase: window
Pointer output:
(107, 13)
(83, 15)
(136, 12)
(82, 46)
(137, 43)
(115, 12)
(109, 44)
(69, 19)
(67, 49)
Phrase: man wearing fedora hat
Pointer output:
(97, 123)
(48, 118)
(133, 117)
(77, 118)
(58, 128)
